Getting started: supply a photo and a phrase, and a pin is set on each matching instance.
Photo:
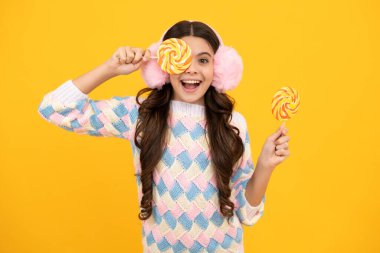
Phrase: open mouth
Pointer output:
(190, 85)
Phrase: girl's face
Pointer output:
(191, 85)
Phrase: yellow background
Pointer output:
(64, 192)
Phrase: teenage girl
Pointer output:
(191, 150)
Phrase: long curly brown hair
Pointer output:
(226, 146)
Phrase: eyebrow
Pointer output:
(204, 53)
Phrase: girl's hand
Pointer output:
(275, 149)
(127, 59)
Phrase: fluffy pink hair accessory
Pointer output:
(228, 68)
(151, 72)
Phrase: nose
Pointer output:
(192, 68)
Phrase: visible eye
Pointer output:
(205, 60)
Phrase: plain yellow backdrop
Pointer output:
(63, 192)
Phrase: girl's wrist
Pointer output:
(262, 167)
(109, 70)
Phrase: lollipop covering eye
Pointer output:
(174, 56)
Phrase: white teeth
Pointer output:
(190, 81)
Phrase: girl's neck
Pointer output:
(190, 109)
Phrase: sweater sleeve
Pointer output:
(71, 109)
(247, 214)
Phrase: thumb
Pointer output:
(147, 55)
(277, 134)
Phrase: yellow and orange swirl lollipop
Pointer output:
(174, 56)
(285, 103)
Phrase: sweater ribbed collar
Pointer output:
(185, 108)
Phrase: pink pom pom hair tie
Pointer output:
(228, 68)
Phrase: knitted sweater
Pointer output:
(186, 215)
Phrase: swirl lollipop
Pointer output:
(174, 56)
(285, 103)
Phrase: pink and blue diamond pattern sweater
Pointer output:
(186, 215)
